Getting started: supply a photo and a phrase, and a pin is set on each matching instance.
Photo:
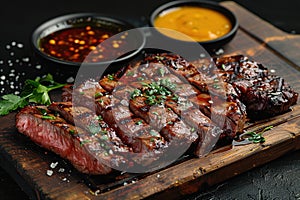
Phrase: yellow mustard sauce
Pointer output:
(200, 24)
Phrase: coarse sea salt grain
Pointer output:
(2, 77)
(38, 66)
(70, 80)
(49, 172)
(20, 45)
(25, 59)
(53, 165)
(61, 170)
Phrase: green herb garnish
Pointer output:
(36, 91)
(140, 122)
(111, 77)
(130, 73)
(257, 137)
(98, 94)
(135, 93)
(84, 142)
(99, 117)
(48, 117)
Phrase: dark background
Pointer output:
(279, 179)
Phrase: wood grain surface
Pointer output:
(256, 39)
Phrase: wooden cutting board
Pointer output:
(262, 42)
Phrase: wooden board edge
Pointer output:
(197, 176)
(284, 44)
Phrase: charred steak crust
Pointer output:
(206, 101)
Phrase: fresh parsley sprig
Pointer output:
(36, 91)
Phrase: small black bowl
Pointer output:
(209, 44)
(105, 22)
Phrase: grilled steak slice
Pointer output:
(164, 120)
(263, 94)
(158, 79)
(88, 120)
(118, 116)
(54, 133)
(217, 104)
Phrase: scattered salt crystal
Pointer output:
(7, 46)
(64, 179)
(61, 170)
(17, 60)
(202, 55)
(10, 64)
(11, 74)
(12, 70)
(20, 45)
(12, 53)
(110, 152)
(13, 43)
(2, 77)
(1, 82)
(125, 183)
(38, 66)
(272, 70)
(158, 175)
(17, 92)
(1, 62)
(70, 80)
(12, 87)
(219, 52)
(9, 61)
(25, 59)
(53, 165)
(49, 172)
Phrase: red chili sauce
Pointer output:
(76, 43)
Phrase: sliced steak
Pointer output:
(88, 120)
(55, 134)
(210, 98)
(263, 94)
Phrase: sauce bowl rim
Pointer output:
(199, 3)
(36, 35)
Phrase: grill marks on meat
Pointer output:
(160, 115)
(263, 94)
(88, 120)
(55, 134)
(202, 102)
(211, 98)
(132, 130)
